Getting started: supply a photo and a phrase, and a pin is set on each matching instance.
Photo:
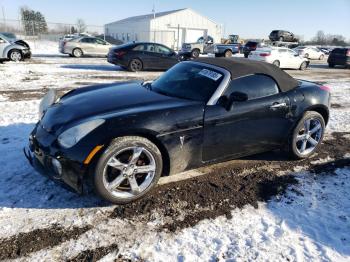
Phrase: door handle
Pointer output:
(278, 105)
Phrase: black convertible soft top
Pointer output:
(239, 67)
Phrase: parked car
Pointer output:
(280, 57)
(339, 56)
(110, 39)
(325, 50)
(143, 56)
(13, 49)
(85, 45)
(309, 52)
(283, 36)
(251, 46)
(124, 136)
(206, 45)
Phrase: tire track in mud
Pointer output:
(226, 186)
(185, 203)
(25, 243)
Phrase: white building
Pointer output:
(170, 28)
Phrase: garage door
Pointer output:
(193, 34)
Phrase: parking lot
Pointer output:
(267, 201)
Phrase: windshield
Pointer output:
(9, 35)
(189, 81)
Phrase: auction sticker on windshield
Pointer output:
(210, 74)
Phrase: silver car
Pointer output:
(85, 45)
(13, 49)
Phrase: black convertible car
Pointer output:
(123, 137)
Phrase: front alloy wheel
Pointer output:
(307, 135)
(130, 167)
(16, 55)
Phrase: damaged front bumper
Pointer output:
(60, 169)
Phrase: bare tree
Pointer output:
(81, 26)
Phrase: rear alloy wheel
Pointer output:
(276, 63)
(77, 52)
(228, 53)
(307, 135)
(303, 66)
(321, 57)
(195, 53)
(129, 168)
(135, 65)
(15, 55)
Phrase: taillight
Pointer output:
(325, 88)
(265, 54)
(348, 52)
(120, 54)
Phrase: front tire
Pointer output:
(195, 53)
(276, 63)
(307, 136)
(15, 55)
(77, 52)
(303, 66)
(129, 168)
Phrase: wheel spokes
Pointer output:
(303, 146)
(312, 141)
(134, 186)
(315, 128)
(116, 182)
(115, 163)
(145, 169)
(135, 155)
(307, 125)
(300, 137)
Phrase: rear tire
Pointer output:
(281, 38)
(228, 53)
(330, 65)
(129, 168)
(276, 63)
(135, 65)
(306, 136)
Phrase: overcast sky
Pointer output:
(249, 19)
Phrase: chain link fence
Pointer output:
(30, 30)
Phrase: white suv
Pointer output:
(281, 57)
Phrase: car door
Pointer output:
(102, 47)
(294, 60)
(246, 127)
(87, 44)
(283, 57)
(3, 45)
(164, 56)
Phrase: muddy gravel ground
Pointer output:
(223, 187)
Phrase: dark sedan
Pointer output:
(123, 137)
(143, 56)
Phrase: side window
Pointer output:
(139, 48)
(100, 42)
(88, 40)
(150, 47)
(255, 86)
(162, 49)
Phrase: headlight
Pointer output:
(47, 101)
(73, 135)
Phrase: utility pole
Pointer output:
(3, 15)
(154, 17)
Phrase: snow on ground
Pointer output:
(312, 222)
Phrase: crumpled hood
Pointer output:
(99, 100)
